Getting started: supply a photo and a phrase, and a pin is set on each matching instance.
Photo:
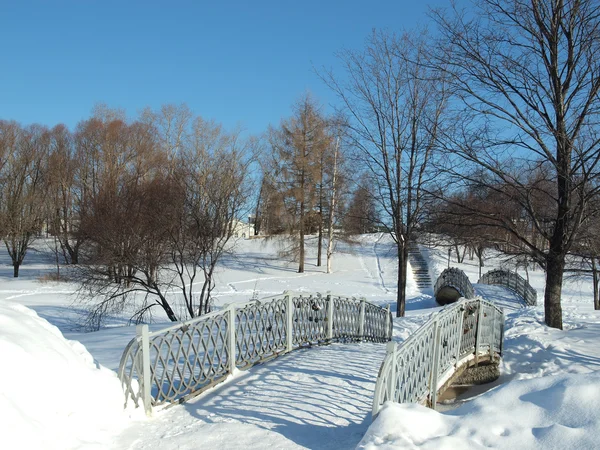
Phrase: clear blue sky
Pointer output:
(238, 62)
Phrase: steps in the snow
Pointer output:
(419, 267)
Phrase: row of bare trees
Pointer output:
(143, 210)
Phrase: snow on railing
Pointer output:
(512, 281)
(414, 371)
(176, 363)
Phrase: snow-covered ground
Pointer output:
(57, 395)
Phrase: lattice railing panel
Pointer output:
(377, 323)
(449, 328)
(130, 371)
(260, 331)
(188, 358)
(346, 318)
(457, 279)
(413, 368)
(310, 319)
(469, 328)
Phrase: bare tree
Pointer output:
(527, 77)
(22, 190)
(361, 216)
(394, 103)
(64, 199)
(157, 223)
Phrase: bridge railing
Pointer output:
(414, 371)
(512, 281)
(456, 278)
(178, 362)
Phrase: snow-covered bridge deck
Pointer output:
(316, 398)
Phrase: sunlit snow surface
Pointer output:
(53, 395)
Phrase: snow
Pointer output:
(552, 412)
(53, 394)
(60, 394)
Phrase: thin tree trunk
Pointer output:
(301, 243)
(320, 239)
(16, 266)
(402, 271)
(332, 208)
(596, 281)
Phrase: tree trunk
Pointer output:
(555, 265)
(332, 208)
(16, 266)
(402, 270)
(320, 239)
(301, 243)
(596, 280)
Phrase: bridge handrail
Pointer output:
(180, 361)
(457, 279)
(414, 371)
(512, 281)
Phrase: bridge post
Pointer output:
(289, 332)
(361, 320)
(433, 379)
(478, 333)
(144, 340)
(329, 317)
(391, 387)
(387, 322)
(460, 334)
(231, 344)
(492, 337)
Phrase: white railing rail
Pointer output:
(414, 371)
(175, 363)
(512, 281)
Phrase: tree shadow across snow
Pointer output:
(319, 398)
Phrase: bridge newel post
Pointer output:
(460, 333)
(478, 333)
(387, 322)
(144, 340)
(492, 337)
(361, 320)
(289, 327)
(231, 338)
(329, 317)
(391, 388)
(433, 380)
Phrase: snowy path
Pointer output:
(318, 398)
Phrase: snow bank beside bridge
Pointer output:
(556, 412)
(52, 393)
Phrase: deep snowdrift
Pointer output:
(52, 393)
(557, 412)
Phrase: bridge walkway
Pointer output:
(315, 398)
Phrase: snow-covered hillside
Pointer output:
(57, 395)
